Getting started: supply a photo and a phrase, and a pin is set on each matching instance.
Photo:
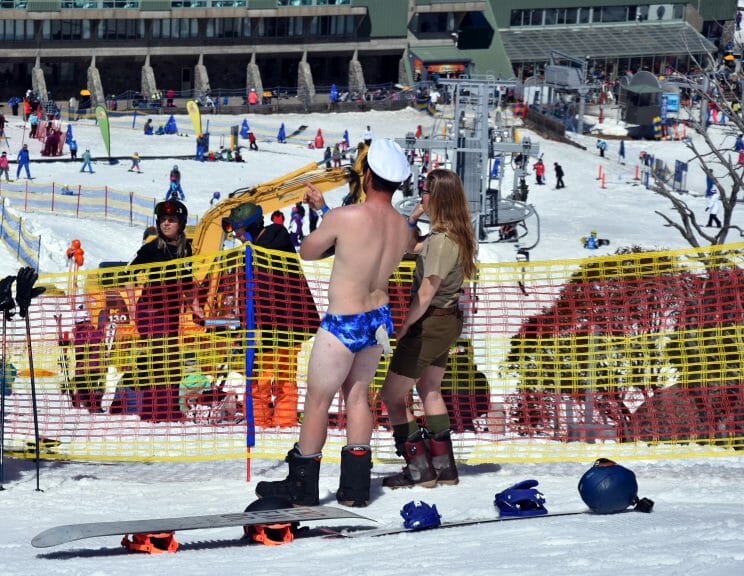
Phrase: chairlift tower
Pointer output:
(470, 143)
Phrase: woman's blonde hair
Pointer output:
(448, 211)
(181, 243)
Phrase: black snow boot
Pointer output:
(443, 459)
(419, 470)
(353, 487)
(301, 485)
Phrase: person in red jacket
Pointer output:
(539, 168)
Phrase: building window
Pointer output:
(121, 29)
(228, 27)
(535, 17)
(435, 23)
(597, 15)
(65, 30)
(609, 14)
(175, 28)
(280, 27)
(16, 30)
(331, 25)
(312, 2)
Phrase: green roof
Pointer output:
(445, 53)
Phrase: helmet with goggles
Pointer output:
(172, 208)
(245, 216)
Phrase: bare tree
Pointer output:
(718, 87)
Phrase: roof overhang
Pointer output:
(615, 41)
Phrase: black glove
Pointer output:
(25, 291)
(7, 304)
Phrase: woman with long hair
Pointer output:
(168, 290)
(445, 258)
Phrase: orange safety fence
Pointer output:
(638, 355)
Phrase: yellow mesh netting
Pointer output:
(636, 355)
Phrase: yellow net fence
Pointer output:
(638, 355)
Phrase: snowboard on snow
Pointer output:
(643, 505)
(71, 532)
(371, 533)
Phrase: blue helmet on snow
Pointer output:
(607, 487)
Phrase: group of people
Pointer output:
(539, 168)
(368, 241)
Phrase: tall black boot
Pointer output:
(443, 459)
(353, 486)
(419, 470)
(301, 485)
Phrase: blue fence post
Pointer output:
(250, 345)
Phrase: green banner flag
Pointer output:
(103, 125)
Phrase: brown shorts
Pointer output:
(427, 343)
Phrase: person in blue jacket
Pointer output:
(23, 162)
(86, 161)
(175, 192)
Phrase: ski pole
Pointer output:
(33, 400)
(25, 292)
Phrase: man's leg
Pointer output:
(329, 366)
(330, 362)
(356, 456)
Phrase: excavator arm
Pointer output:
(207, 235)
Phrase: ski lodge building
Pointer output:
(112, 46)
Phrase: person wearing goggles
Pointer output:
(158, 309)
(284, 310)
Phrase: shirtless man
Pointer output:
(368, 241)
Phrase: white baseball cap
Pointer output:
(387, 160)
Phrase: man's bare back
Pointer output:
(369, 240)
